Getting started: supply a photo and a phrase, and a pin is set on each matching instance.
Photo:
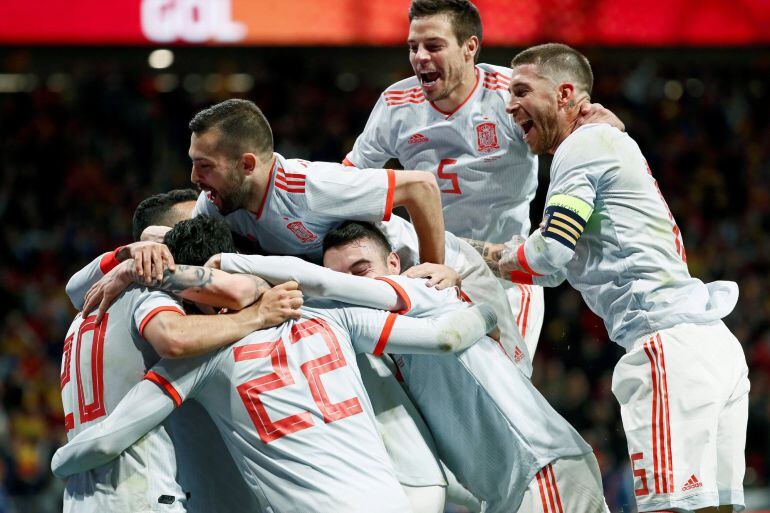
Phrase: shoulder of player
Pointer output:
(407, 92)
(495, 78)
(590, 141)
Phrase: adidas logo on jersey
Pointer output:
(417, 138)
(692, 483)
(517, 354)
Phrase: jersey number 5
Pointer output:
(87, 377)
(270, 430)
(452, 177)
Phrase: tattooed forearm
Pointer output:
(488, 252)
(186, 277)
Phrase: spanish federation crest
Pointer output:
(486, 137)
(301, 232)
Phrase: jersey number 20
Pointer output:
(89, 377)
(270, 430)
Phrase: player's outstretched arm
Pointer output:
(181, 336)
(144, 407)
(147, 256)
(377, 332)
(418, 191)
(199, 284)
(315, 280)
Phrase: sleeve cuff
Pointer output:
(389, 197)
(400, 292)
(166, 386)
(379, 348)
(347, 162)
(156, 311)
(522, 258)
(109, 260)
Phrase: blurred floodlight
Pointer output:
(695, 87)
(239, 83)
(192, 83)
(58, 82)
(213, 83)
(347, 82)
(673, 90)
(166, 82)
(161, 58)
(17, 82)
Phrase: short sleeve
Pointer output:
(373, 147)
(581, 162)
(345, 193)
(182, 378)
(152, 302)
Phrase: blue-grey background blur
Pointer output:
(86, 133)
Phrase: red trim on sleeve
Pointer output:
(464, 296)
(522, 258)
(391, 192)
(267, 189)
(155, 312)
(110, 260)
(520, 277)
(385, 335)
(165, 385)
(400, 292)
(347, 162)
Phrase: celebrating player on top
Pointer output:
(450, 119)
(682, 385)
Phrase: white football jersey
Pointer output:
(607, 222)
(100, 364)
(485, 171)
(492, 428)
(294, 414)
(304, 200)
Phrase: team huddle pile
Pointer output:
(334, 383)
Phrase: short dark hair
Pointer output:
(157, 209)
(351, 231)
(194, 241)
(558, 62)
(466, 20)
(242, 125)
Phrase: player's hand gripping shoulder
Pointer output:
(279, 304)
(150, 259)
(597, 113)
(439, 276)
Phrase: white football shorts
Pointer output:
(683, 395)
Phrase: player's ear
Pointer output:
(566, 93)
(394, 263)
(471, 47)
(249, 163)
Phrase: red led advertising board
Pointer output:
(379, 22)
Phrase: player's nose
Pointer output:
(194, 178)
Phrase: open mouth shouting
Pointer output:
(429, 79)
(526, 126)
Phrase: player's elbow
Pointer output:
(419, 187)
(239, 294)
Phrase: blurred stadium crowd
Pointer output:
(79, 149)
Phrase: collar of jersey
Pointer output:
(473, 91)
(269, 185)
